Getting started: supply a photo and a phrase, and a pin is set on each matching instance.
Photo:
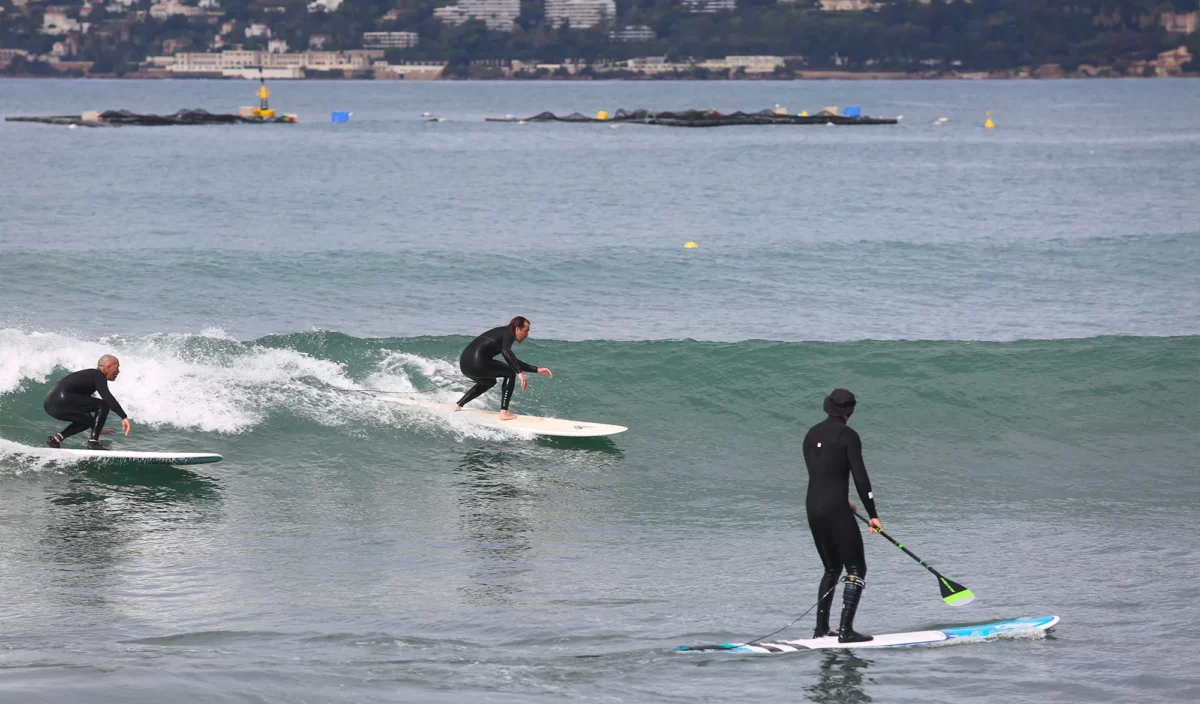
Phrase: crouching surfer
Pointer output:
(479, 365)
(832, 452)
(71, 400)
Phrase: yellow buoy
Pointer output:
(263, 110)
(602, 115)
(989, 124)
(691, 245)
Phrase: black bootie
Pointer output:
(825, 603)
(850, 596)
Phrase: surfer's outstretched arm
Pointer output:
(109, 368)
(509, 356)
(517, 365)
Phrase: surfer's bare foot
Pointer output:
(507, 415)
(456, 408)
(108, 431)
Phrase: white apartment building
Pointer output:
(848, 5)
(633, 33)
(244, 64)
(196, 62)
(162, 10)
(710, 6)
(498, 15)
(389, 40)
(750, 64)
(581, 14)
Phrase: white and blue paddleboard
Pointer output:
(1021, 626)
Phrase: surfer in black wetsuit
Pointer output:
(478, 363)
(71, 400)
(832, 452)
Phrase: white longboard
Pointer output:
(121, 456)
(558, 427)
(893, 640)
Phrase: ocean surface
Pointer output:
(1017, 310)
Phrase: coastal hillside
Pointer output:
(604, 38)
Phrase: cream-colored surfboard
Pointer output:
(539, 425)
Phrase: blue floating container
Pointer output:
(339, 116)
(852, 111)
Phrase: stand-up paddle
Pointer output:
(953, 593)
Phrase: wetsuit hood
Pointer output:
(840, 403)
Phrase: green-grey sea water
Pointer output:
(1018, 311)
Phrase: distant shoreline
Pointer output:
(800, 76)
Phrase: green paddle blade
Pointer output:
(954, 593)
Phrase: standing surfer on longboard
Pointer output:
(71, 400)
(478, 363)
(832, 451)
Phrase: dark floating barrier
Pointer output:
(124, 118)
(706, 118)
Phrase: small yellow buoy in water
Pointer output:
(602, 115)
(989, 124)
(262, 110)
(691, 245)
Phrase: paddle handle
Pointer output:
(895, 542)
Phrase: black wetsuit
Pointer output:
(832, 452)
(71, 400)
(478, 364)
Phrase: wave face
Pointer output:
(1084, 393)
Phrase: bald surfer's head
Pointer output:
(110, 366)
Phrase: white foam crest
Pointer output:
(186, 381)
(228, 395)
(212, 383)
(216, 334)
(35, 355)
(394, 373)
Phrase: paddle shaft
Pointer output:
(908, 552)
